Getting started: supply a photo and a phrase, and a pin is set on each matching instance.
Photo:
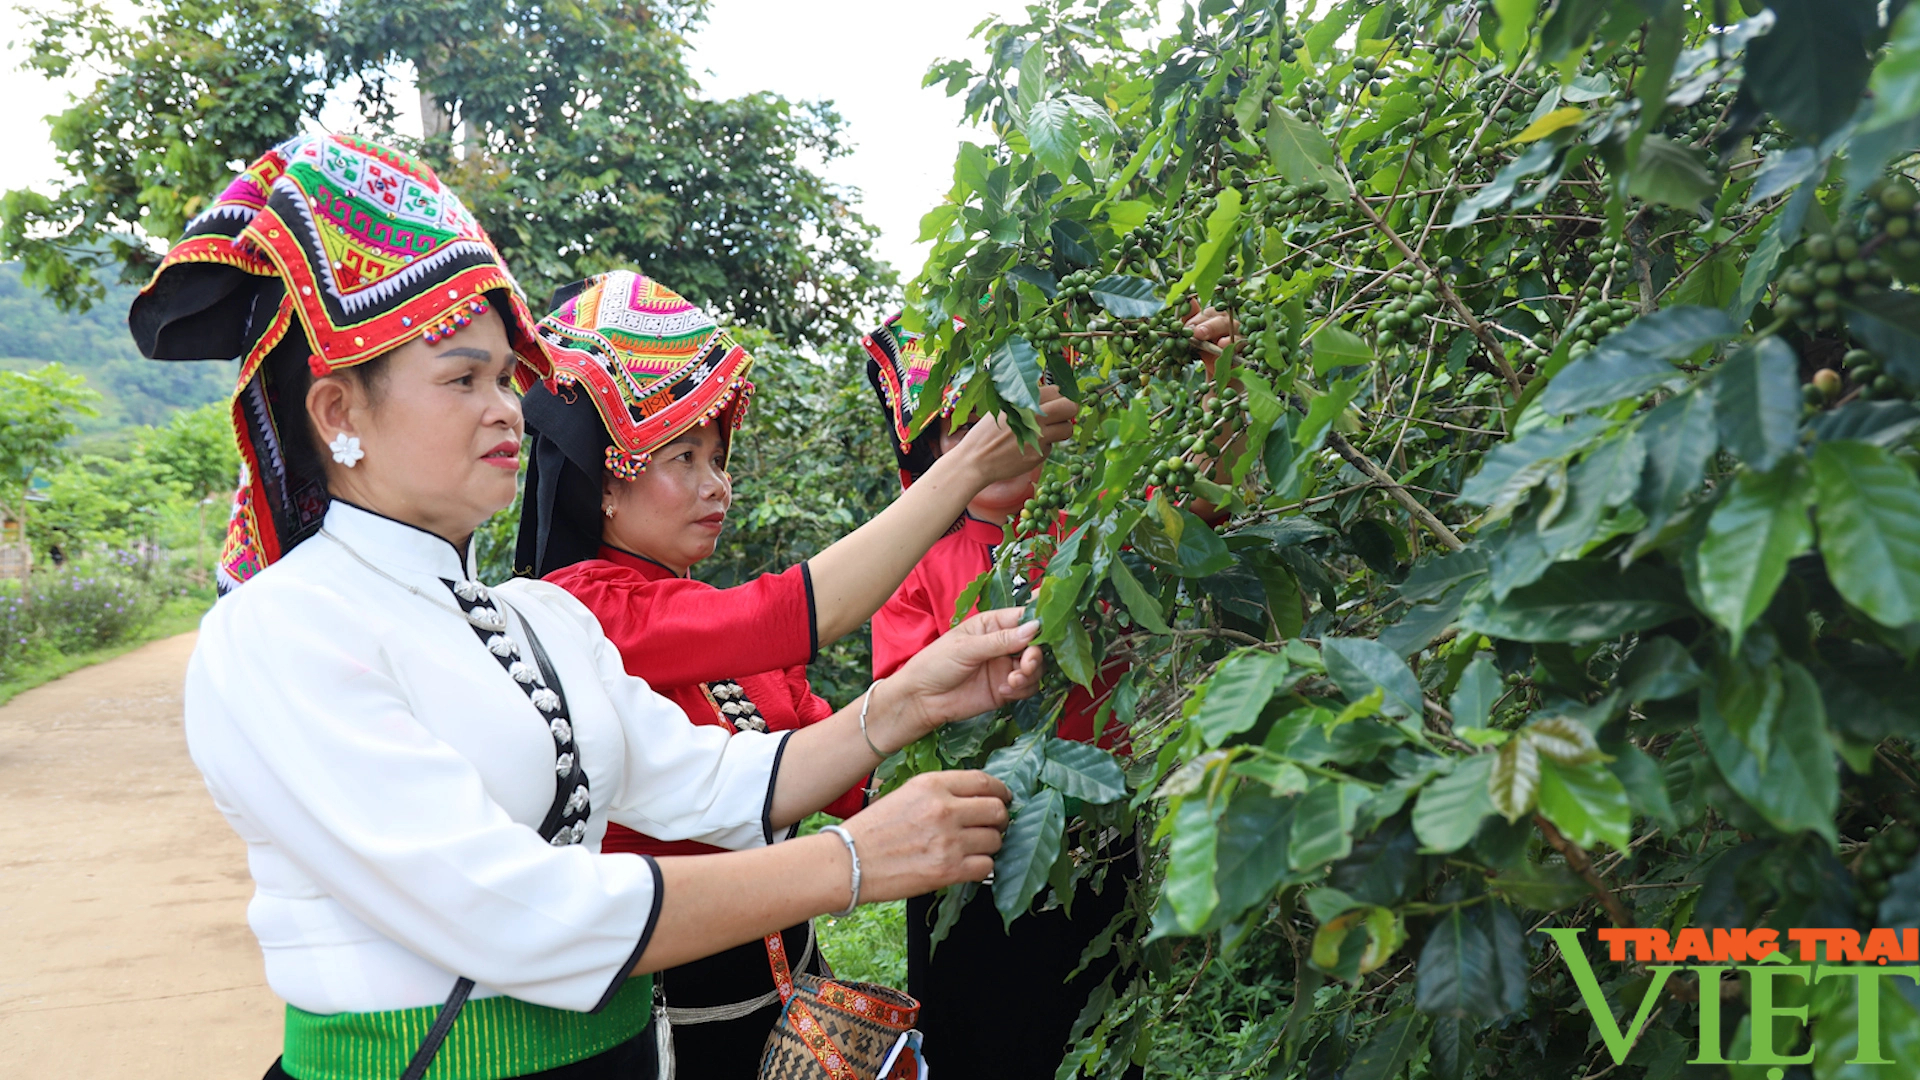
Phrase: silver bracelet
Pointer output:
(864, 702)
(853, 853)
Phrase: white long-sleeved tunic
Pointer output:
(389, 776)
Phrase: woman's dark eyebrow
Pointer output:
(468, 353)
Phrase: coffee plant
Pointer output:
(1569, 574)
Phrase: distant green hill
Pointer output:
(95, 343)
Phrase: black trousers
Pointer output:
(995, 1002)
(631, 1060)
(728, 1049)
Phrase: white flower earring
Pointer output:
(346, 449)
(607, 509)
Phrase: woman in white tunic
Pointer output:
(422, 767)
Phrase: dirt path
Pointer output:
(124, 949)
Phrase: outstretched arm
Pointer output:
(979, 665)
(853, 577)
(938, 829)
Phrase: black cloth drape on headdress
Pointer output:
(560, 518)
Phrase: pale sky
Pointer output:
(867, 56)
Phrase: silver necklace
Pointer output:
(486, 617)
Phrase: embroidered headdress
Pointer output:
(359, 246)
(634, 366)
(897, 366)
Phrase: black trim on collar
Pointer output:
(643, 558)
(813, 615)
(458, 555)
(773, 781)
(621, 976)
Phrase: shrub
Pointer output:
(81, 606)
(17, 631)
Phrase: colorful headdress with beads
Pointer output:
(653, 363)
(898, 365)
(362, 248)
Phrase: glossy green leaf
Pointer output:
(1359, 666)
(1516, 467)
(1083, 771)
(1473, 698)
(1680, 436)
(1053, 131)
(1658, 668)
(1018, 766)
(1810, 69)
(1439, 574)
(1140, 604)
(1757, 402)
(1027, 853)
(1251, 850)
(1127, 296)
(1589, 600)
(1797, 786)
(1760, 525)
(1335, 347)
(1637, 358)
(1073, 651)
(1236, 694)
(1211, 259)
(1548, 887)
(1452, 807)
(1015, 367)
(1190, 889)
(1562, 739)
(1646, 787)
(1514, 781)
(1323, 824)
(1457, 975)
(1586, 802)
(1385, 1055)
(1534, 160)
(1324, 410)
(1667, 172)
(1869, 515)
(1300, 152)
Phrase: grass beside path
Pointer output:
(178, 616)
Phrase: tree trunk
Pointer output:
(436, 116)
(436, 120)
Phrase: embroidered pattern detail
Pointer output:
(572, 800)
(846, 1029)
(654, 364)
(904, 367)
(367, 251)
(735, 707)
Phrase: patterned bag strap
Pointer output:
(571, 800)
(818, 1042)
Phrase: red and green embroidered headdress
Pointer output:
(362, 249)
(653, 363)
(634, 366)
(898, 365)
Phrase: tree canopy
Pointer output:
(573, 131)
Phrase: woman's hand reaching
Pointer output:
(938, 829)
(983, 663)
(979, 665)
(993, 449)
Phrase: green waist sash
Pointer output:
(494, 1038)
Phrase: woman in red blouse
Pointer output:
(970, 1032)
(626, 491)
